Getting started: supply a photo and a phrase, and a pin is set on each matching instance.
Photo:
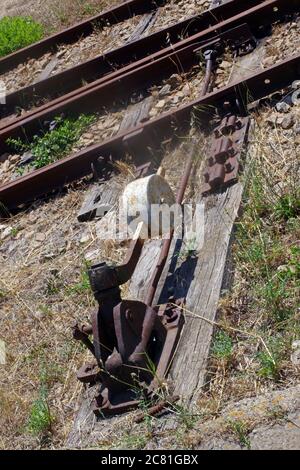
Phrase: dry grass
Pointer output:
(264, 299)
(44, 289)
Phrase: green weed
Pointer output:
(82, 286)
(287, 207)
(53, 145)
(133, 441)
(39, 422)
(185, 417)
(270, 366)
(241, 431)
(14, 231)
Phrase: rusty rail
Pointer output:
(263, 14)
(140, 75)
(56, 175)
(111, 16)
(94, 69)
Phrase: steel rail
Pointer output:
(69, 169)
(94, 69)
(111, 16)
(135, 75)
(118, 88)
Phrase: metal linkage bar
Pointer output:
(181, 191)
(239, 94)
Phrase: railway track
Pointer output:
(140, 75)
(114, 15)
(54, 176)
(134, 54)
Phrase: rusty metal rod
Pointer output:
(82, 334)
(167, 243)
(180, 195)
(156, 409)
(209, 57)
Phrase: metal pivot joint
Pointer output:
(224, 163)
(132, 342)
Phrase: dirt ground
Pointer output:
(8, 7)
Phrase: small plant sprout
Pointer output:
(222, 346)
(241, 431)
(54, 144)
(40, 420)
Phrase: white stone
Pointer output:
(6, 232)
(85, 238)
(282, 107)
(295, 357)
(161, 104)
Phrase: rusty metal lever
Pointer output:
(103, 277)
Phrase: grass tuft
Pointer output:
(222, 347)
(241, 431)
(17, 32)
(53, 145)
(40, 420)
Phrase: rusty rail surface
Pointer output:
(93, 69)
(116, 89)
(264, 13)
(113, 15)
(58, 174)
(140, 74)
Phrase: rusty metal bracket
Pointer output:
(88, 373)
(224, 164)
(240, 39)
(146, 339)
(103, 277)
